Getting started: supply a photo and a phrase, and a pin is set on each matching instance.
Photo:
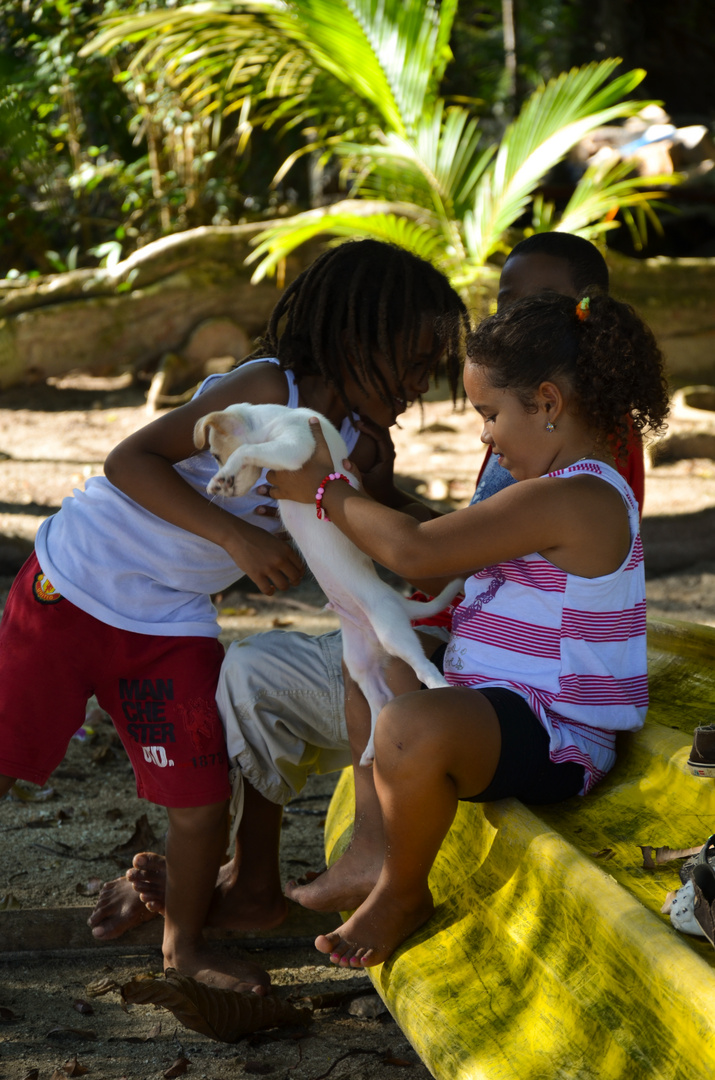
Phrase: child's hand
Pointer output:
(268, 560)
(300, 485)
(379, 478)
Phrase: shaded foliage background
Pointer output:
(97, 160)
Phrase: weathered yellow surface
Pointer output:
(547, 957)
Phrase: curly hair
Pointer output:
(358, 301)
(610, 360)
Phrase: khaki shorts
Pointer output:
(281, 699)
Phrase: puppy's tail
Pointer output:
(417, 609)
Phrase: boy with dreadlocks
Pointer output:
(116, 598)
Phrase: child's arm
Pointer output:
(374, 456)
(142, 467)
(581, 524)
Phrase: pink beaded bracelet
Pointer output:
(321, 491)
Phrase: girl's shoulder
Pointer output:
(600, 470)
(261, 382)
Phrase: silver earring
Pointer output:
(550, 427)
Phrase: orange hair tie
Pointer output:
(583, 308)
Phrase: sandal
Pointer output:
(702, 755)
(692, 907)
(706, 857)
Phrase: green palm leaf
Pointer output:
(553, 120)
(440, 165)
(349, 218)
(604, 189)
(390, 53)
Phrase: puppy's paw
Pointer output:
(368, 754)
(222, 485)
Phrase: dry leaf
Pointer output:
(73, 1068)
(225, 1015)
(403, 1062)
(104, 755)
(278, 622)
(604, 853)
(83, 1007)
(334, 998)
(71, 1033)
(179, 1067)
(44, 821)
(142, 838)
(102, 986)
(665, 855)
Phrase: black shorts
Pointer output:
(525, 770)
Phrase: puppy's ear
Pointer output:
(202, 426)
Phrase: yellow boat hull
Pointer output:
(547, 957)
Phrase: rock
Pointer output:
(367, 1008)
(216, 338)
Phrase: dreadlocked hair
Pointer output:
(349, 306)
(610, 360)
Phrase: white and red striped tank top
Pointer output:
(573, 647)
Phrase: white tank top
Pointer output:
(131, 569)
(573, 647)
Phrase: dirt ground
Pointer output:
(59, 844)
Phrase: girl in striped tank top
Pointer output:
(547, 657)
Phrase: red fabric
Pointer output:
(442, 618)
(159, 691)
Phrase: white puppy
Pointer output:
(375, 620)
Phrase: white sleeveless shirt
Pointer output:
(130, 569)
(574, 648)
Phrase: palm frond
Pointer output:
(552, 121)
(349, 218)
(438, 169)
(390, 52)
(604, 189)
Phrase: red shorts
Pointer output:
(159, 691)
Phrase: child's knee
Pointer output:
(406, 728)
(198, 821)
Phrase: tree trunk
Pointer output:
(104, 320)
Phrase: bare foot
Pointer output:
(377, 928)
(237, 904)
(343, 886)
(147, 877)
(117, 910)
(212, 968)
